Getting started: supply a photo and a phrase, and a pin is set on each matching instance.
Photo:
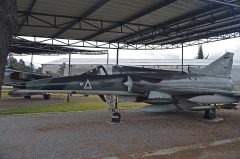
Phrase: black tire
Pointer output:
(210, 114)
(116, 117)
(46, 96)
(27, 97)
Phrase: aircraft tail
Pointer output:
(222, 66)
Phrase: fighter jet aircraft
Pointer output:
(201, 89)
(13, 77)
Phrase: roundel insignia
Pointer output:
(87, 85)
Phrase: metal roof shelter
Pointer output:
(129, 24)
(25, 47)
(21, 46)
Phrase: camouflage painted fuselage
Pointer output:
(140, 83)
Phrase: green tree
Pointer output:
(39, 70)
(21, 65)
(12, 62)
(200, 54)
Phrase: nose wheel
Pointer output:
(210, 114)
(116, 117)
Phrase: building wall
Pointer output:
(75, 69)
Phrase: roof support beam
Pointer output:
(28, 11)
(210, 20)
(224, 3)
(23, 46)
(190, 33)
(206, 35)
(169, 22)
(81, 17)
(152, 8)
(200, 31)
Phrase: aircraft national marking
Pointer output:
(87, 85)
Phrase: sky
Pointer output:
(213, 49)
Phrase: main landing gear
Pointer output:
(210, 114)
(27, 97)
(112, 101)
(46, 96)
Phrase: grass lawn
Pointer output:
(66, 107)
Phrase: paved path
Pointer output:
(88, 135)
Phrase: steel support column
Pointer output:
(107, 58)
(69, 64)
(31, 63)
(69, 73)
(117, 55)
(182, 57)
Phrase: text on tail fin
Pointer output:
(222, 66)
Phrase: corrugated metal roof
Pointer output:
(173, 10)
(125, 21)
(63, 7)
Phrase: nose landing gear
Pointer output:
(112, 102)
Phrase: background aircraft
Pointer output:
(13, 77)
(199, 89)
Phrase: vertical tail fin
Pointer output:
(221, 66)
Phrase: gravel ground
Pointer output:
(88, 135)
